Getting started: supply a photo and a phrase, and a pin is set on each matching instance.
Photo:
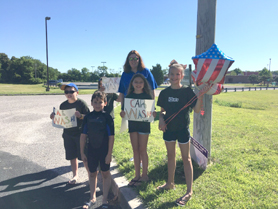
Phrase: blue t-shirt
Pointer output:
(126, 78)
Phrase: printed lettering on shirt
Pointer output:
(172, 99)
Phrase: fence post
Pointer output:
(226, 89)
(255, 88)
(242, 89)
(249, 88)
(235, 89)
(260, 88)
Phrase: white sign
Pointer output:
(111, 84)
(139, 109)
(64, 118)
(199, 153)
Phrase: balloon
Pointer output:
(211, 67)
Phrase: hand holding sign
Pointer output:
(64, 118)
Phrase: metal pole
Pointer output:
(103, 63)
(47, 88)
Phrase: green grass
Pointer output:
(244, 155)
(15, 89)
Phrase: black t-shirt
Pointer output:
(109, 108)
(80, 106)
(172, 100)
(139, 126)
(96, 119)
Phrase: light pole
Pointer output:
(92, 68)
(269, 64)
(47, 18)
(103, 63)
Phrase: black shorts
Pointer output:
(72, 146)
(182, 136)
(97, 157)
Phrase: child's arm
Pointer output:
(162, 124)
(83, 138)
(108, 157)
(199, 103)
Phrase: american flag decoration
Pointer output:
(211, 67)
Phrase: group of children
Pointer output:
(97, 132)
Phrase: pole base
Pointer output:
(47, 88)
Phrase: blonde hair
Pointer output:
(176, 65)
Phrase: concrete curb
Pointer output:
(127, 197)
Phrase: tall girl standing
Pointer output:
(139, 131)
(171, 100)
(133, 65)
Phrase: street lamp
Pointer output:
(92, 68)
(47, 88)
(103, 63)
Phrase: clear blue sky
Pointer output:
(85, 33)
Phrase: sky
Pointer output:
(85, 33)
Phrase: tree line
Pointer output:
(27, 70)
(264, 76)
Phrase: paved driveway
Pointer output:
(32, 158)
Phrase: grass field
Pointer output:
(244, 155)
(12, 89)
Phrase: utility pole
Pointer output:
(204, 39)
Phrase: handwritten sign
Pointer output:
(139, 109)
(111, 84)
(64, 118)
(199, 153)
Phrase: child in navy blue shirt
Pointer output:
(98, 126)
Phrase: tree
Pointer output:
(265, 75)
(103, 71)
(253, 78)
(237, 71)
(165, 71)
(158, 74)
(85, 74)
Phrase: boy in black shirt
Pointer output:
(71, 136)
(98, 126)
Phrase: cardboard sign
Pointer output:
(64, 118)
(111, 84)
(139, 109)
(199, 153)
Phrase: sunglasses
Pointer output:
(133, 58)
(69, 92)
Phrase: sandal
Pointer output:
(72, 181)
(132, 182)
(181, 202)
(89, 204)
(163, 187)
(105, 206)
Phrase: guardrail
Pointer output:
(248, 89)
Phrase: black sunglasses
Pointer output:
(133, 58)
(69, 92)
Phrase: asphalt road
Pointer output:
(33, 168)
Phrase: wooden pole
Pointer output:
(204, 39)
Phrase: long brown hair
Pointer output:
(127, 67)
(146, 89)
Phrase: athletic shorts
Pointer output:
(72, 146)
(97, 157)
(182, 136)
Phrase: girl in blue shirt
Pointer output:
(134, 64)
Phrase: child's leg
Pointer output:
(74, 167)
(136, 155)
(106, 178)
(171, 154)
(188, 170)
(143, 141)
(93, 185)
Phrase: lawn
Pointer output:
(12, 89)
(244, 155)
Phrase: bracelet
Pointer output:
(81, 117)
